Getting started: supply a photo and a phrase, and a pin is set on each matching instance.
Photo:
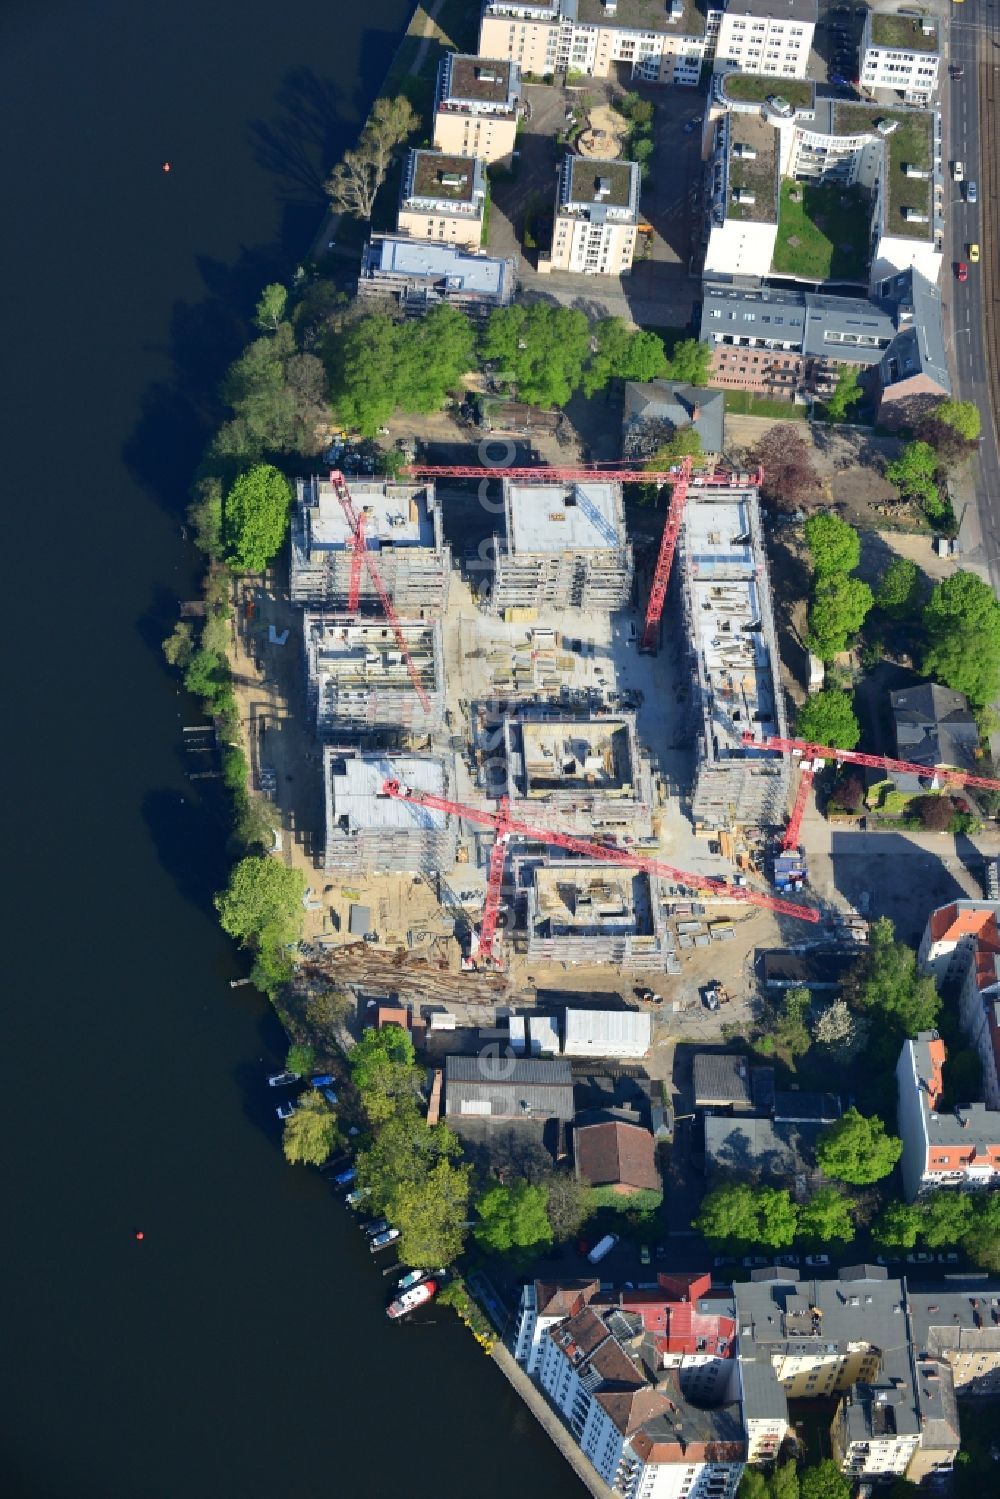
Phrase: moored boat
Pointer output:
(409, 1300)
(283, 1079)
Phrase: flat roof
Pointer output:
(399, 255)
(395, 514)
(751, 88)
(644, 15)
(355, 790)
(611, 1027)
(598, 185)
(729, 616)
(775, 10)
(757, 174)
(910, 144)
(429, 169)
(564, 517)
(481, 79)
(904, 33)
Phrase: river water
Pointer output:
(240, 1348)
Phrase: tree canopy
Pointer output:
(278, 398)
(379, 365)
(834, 546)
(403, 1150)
(689, 362)
(512, 1217)
(887, 982)
(826, 1216)
(846, 394)
(963, 416)
(740, 1214)
(255, 517)
(828, 718)
(540, 349)
(839, 607)
(897, 1226)
(825, 1481)
(430, 1214)
(623, 353)
(898, 590)
(566, 1204)
(962, 619)
(354, 183)
(263, 899)
(790, 477)
(271, 307)
(946, 1217)
(914, 472)
(856, 1149)
(311, 1132)
(384, 1072)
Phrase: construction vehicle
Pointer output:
(506, 827)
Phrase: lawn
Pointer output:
(745, 403)
(749, 88)
(830, 223)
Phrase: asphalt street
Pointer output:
(973, 36)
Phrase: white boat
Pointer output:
(283, 1079)
(416, 1296)
(285, 1111)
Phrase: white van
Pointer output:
(602, 1247)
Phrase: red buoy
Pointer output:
(139, 1234)
(166, 166)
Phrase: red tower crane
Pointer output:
(360, 553)
(812, 753)
(507, 827)
(681, 477)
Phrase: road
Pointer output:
(974, 39)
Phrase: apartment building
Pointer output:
(901, 53)
(443, 198)
(589, 773)
(961, 948)
(644, 1380)
(583, 912)
(419, 275)
(733, 656)
(564, 547)
(661, 43)
(359, 681)
(959, 1147)
(761, 136)
(369, 831)
(766, 36)
(596, 217)
(475, 109)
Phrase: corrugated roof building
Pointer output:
(606, 1033)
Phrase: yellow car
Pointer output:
(974, 254)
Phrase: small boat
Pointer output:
(358, 1195)
(285, 1111)
(344, 1178)
(322, 1080)
(417, 1295)
(283, 1079)
(411, 1278)
(383, 1240)
(376, 1226)
(330, 1096)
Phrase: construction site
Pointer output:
(544, 781)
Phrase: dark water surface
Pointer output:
(241, 1349)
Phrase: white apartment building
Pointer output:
(475, 111)
(900, 52)
(443, 199)
(767, 36)
(745, 184)
(596, 217)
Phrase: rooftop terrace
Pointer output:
(903, 34)
(480, 79)
(753, 169)
(753, 88)
(442, 178)
(590, 187)
(909, 144)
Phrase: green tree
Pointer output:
(566, 1204)
(846, 393)
(255, 517)
(933, 812)
(689, 362)
(384, 1072)
(835, 547)
(738, 1214)
(215, 632)
(378, 365)
(512, 1217)
(430, 1215)
(539, 349)
(777, 1217)
(962, 619)
(262, 898)
(897, 1226)
(825, 1481)
(946, 1218)
(205, 517)
(898, 591)
(982, 1242)
(271, 307)
(826, 1217)
(857, 1149)
(278, 397)
(311, 1132)
(963, 416)
(785, 1481)
(301, 1058)
(403, 1151)
(179, 644)
(887, 983)
(838, 609)
(791, 1029)
(354, 183)
(622, 353)
(914, 472)
(256, 820)
(753, 1485)
(828, 718)
(206, 676)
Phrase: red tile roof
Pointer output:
(617, 1154)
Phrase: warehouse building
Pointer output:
(606, 1033)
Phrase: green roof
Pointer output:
(750, 88)
(910, 144)
(903, 33)
(758, 175)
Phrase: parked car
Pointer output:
(920, 1258)
(753, 1262)
(644, 1254)
(971, 191)
(602, 1247)
(949, 1258)
(383, 1240)
(786, 1259)
(888, 1259)
(817, 1259)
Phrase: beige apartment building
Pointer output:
(475, 111)
(596, 217)
(443, 199)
